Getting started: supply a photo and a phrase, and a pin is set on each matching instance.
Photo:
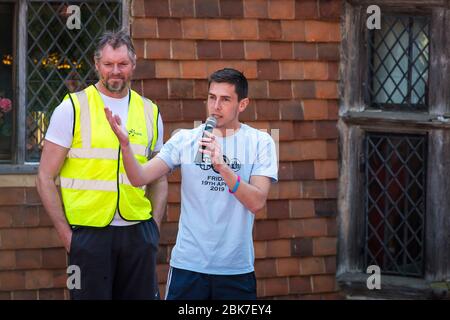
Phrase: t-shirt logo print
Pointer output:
(234, 164)
(133, 133)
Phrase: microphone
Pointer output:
(210, 124)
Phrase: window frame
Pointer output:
(356, 118)
(18, 165)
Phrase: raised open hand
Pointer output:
(115, 123)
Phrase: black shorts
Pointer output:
(115, 262)
(189, 285)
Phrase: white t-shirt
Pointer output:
(61, 126)
(215, 229)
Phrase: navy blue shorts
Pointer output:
(189, 285)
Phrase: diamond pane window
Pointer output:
(60, 60)
(395, 202)
(399, 63)
(7, 105)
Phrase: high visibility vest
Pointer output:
(93, 179)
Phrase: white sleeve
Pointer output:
(159, 141)
(61, 125)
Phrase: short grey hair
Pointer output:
(115, 39)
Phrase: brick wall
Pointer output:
(289, 51)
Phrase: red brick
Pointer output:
(194, 69)
(314, 227)
(285, 190)
(7, 259)
(266, 230)
(167, 69)
(277, 209)
(12, 196)
(182, 8)
(42, 238)
(278, 248)
(280, 89)
(265, 268)
(293, 30)
(324, 283)
(327, 169)
(7, 214)
(37, 279)
(305, 51)
(333, 71)
(301, 247)
(169, 28)
(300, 285)
(174, 193)
(315, 109)
(194, 28)
(276, 286)
(12, 280)
(169, 232)
(28, 259)
(306, 9)
(326, 130)
(173, 212)
(183, 89)
(290, 110)
(288, 266)
(303, 150)
(330, 264)
(44, 218)
(25, 295)
(233, 49)
(200, 89)
(206, 8)
(139, 46)
(290, 228)
(244, 29)
(51, 294)
(218, 29)
(281, 50)
(312, 265)
(332, 228)
(54, 258)
(260, 249)
(231, 8)
(249, 114)
(319, 31)
(136, 85)
(328, 51)
(155, 89)
(267, 110)
(157, 49)
(269, 29)
(303, 89)
(286, 129)
(208, 49)
(316, 70)
(332, 149)
(162, 271)
(258, 89)
(194, 110)
(183, 49)
(281, 9)
(255, 8)
(257, 50)
(145, 69)
(291, 70)
(330, 9)
(137, 8)
(318, 189)
(144, 28)
(325, 208)
(303, 170)
(157, 8)
(324, 246)
(326, 90)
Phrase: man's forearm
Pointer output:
(52, 203)
(157, 193)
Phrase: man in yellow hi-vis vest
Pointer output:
(109, 227)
